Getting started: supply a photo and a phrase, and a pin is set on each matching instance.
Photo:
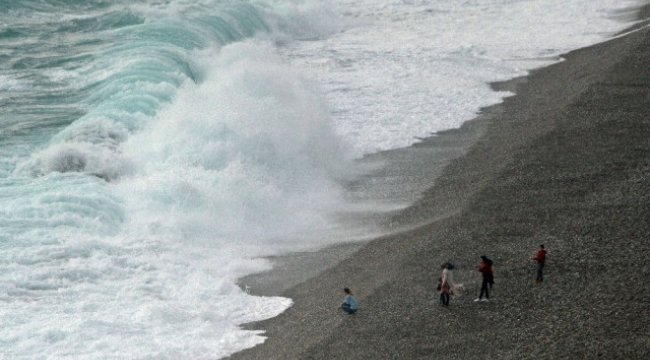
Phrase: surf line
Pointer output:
(631, 31)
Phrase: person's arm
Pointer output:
(345, 301)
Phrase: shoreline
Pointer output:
(419, 165)
(564, 162)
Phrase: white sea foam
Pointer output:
(241, 156)
(407, 69)
(9, 83)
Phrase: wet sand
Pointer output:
(565, 162)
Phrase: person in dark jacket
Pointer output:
(485, 268)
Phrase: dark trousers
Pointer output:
(484, 288)
(444, 298)
(347, 309)
(540, 272)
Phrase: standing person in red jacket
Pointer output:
(540, 257)
(485, 268)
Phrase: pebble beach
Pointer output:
(566, 163)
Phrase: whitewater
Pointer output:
(154, 152)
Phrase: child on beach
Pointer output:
(485, 268)
(540, 258)
(350, 304)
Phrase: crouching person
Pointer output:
(350, 304)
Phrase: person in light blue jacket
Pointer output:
(350, 304)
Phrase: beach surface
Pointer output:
(565, 163)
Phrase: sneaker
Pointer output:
(477, 300)
(485, 300)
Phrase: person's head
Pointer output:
(347, 291)
(484, 258)
(541, 246)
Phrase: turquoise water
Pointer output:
(104, 66)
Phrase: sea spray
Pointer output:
(248, 154)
